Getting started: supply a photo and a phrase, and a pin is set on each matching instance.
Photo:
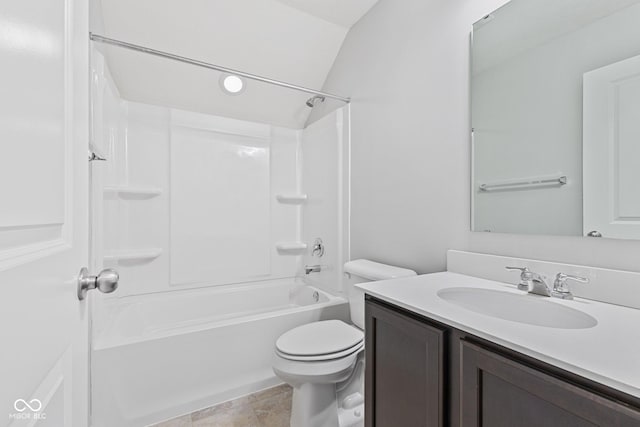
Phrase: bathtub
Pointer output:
(159, 356)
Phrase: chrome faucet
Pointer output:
(539, 286)
(308, 269)
(560, 287)
(535, 283)
(531, 282)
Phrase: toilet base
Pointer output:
(314, 405)
(317, 406)
(331, 404)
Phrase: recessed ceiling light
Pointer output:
(231, 84)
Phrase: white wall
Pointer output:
(406, 65)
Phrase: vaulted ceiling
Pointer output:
(295, 41)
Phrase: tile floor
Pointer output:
(267, 408)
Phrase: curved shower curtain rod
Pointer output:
(130, 46)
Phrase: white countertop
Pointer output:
(608, 353)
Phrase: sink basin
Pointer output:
(522, 308)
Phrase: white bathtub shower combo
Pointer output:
(210, 222)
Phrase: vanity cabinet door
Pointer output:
(404, 370)
(500, 392)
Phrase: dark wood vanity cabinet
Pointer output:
(404, 370)
(423, 373)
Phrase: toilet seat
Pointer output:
(318, 341)
(328, 371)
(321, 357)
(322, 352)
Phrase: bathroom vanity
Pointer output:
(430, 362)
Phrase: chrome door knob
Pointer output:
(106, 282)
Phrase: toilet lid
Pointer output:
(319, 338)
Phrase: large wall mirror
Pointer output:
(555, 88)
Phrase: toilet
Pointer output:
(324, 361)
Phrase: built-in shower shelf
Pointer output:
(133, 255)
(292, 199)
(133, 192)
(291, 248)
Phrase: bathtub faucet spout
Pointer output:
(308, 269)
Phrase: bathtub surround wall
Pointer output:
(325, 174)
(197, 200)
(190, 199)
(406, 66)
(220, 200)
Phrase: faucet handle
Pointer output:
(561, 288)
(521, 269)
(526, 276)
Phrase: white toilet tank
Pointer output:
(363, 270)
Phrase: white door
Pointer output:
(43, 212)
(611, 158)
